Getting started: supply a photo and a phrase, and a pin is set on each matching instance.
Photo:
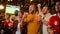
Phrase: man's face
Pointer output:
(57, 6)
(31, 9)
(6, 16)
(20, 14)
(45, 9)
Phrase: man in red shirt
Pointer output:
(54, 22)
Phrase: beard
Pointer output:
(44, 13)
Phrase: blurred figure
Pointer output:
(54, 21)
(15, 22)
(24, 28)
(57, 6)
(45, 17)
(20, 14)
(7, 24)
(54, 24)
(1, 27)
(32, 21)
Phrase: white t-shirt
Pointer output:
(18, 29)
(47, 16)
(18, 26)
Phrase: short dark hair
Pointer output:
(16, 13)
(46, 5)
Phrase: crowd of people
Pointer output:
(35, 21)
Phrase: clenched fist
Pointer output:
(38, 5)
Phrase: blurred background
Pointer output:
(22, 5)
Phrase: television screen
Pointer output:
(11, 9)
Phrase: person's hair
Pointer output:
(46, 5)
(16, 13)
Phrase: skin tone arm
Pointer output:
(50, 30)
(40, 12)
(39, 8)
(44, 21)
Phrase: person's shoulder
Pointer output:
(53, 16)
(30, 15)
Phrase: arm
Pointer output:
(50, 24)
(39, 9)
(50, 30)
(44, 21)
(26, 20)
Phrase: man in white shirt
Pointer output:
(45, 17)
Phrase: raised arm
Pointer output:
(39, 9)
(26, 19)
(50, 28)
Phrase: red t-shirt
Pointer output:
(54, 22)
(7, 23)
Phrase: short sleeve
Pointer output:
(50, 21)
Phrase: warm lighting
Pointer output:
(31, 0)
(1, 0)
(21, 5)
(9, 0)
(1, 7)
